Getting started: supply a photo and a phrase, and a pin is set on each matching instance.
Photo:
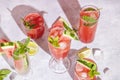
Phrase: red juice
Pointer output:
(89, 16)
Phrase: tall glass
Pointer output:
(21, 63)
(34, 25)
(59, 62)
(89, 16)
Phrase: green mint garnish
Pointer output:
(54, 41)
(93, 73)
(4, 73)
(69, 32)
(22, 49)
(89, 20)
(28, 24)
(93, 68)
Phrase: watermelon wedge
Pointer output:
(7, 48)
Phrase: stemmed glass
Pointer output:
(59, 46)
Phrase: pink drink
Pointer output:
(21, 63)
(64, 42)
(87, 28)
(81, 72)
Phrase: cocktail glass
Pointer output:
(89, 16)
(34, 25)
(82, 72)
(59, 62)
(21, 63)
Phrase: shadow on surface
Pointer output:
(8, 60)
(21, 11)
(71, 11)
(73, 57)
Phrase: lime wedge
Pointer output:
(33, 48)
(68, 31)
(84, 53)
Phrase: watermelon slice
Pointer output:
(7, 48)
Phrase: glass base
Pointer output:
(59, 66)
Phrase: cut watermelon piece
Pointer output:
(7, 48)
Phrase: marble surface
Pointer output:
(107, 37)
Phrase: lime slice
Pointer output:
(33, 48)
(68, 31)
(84, 52)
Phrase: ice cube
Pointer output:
(84, 75)
(63, 45)
(98, 54)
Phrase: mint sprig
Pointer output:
(89, 20)
(54, 41)
(28, 24)
(93, 68)
(4, 73)
(22, 49)
(93, 73)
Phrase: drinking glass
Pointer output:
(89, 16)
(81, 72)
(21, 63)
(59, 62)
(33, 25)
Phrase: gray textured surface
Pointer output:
(107, 37)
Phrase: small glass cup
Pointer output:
(21, 63)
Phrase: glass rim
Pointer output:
(91, 6)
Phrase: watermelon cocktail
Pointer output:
(85, 69)
(89, 16)
(18, 52)
(59, 45)
(20, 56)
(34, 25)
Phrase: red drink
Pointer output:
(59, 46)
(34, 25)
(81, 71)
(89, 16)
(63, 41)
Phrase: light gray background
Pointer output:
(107, 36)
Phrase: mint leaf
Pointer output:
(93, 68)
(54, 41)
(22, 49)
(1, 78)
(28, 24)
(4, 73)
(93, 73)
(89, 19)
